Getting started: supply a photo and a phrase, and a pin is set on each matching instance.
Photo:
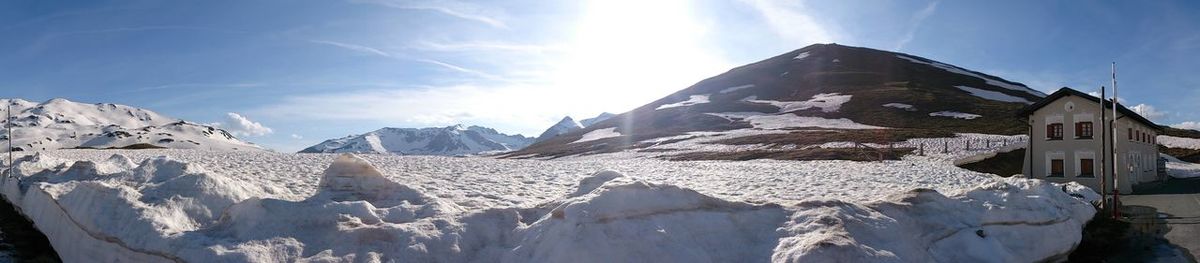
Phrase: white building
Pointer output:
(1066, 142)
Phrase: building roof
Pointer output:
(1065, 91)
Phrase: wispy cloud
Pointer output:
(463, 10)
(133, 29)
(792, 22)
(484, 46)
(353, 47)
(378, 52)
(915, 24)
(1191, 125)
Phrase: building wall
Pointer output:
(1068, 110)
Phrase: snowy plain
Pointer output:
(259, 206)
(1179, 142)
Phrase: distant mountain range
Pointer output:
(784, 105)
(451, 140)
(63, 124)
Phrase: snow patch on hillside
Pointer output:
(992, 95)
(828, 102)
(955, 114)
(692, 100)
(599, 134)
(1179, 142)
(736, 88)
(906, 107)
(801, 55)
(960, 71)
(787, 120)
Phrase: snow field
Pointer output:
(210, 206)
(906, 107)
(960, 71)
(599, 134)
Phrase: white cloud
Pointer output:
(297, 136)
(239, 125)
(1193, 125)
(791, 21)
(463, 10)
(1148, 111)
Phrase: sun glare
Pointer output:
(623, 57)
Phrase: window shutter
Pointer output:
(1049, 130)
(1078, 129)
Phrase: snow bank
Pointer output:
(1014, 220)
(599, 134)
(802, 55)
(1179, 142)
(1179, 168)
(358, 213)
(992, 95)
(692, 100)
(955, 114)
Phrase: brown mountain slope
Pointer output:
(815, 87)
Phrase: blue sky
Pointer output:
(298, 72)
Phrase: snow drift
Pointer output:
(163, 210)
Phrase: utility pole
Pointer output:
(1116, 177)
(1103, 155)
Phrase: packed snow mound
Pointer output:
(1016, 220)
(636, 221)
(165, 210)
(456, 140)
(1180, 169)
(63, 124)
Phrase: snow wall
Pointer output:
(164, 210)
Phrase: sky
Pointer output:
(290, 74)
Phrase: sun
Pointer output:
(627, 53)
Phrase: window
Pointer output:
(1130, 134)
(1086, 168)
(1083, 130)
(1054, 131)
(1056, 168)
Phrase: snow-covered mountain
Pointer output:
(451, 140)
(789, 105)
(567, 124)
(62, 124)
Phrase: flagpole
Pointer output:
(1103, 145)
